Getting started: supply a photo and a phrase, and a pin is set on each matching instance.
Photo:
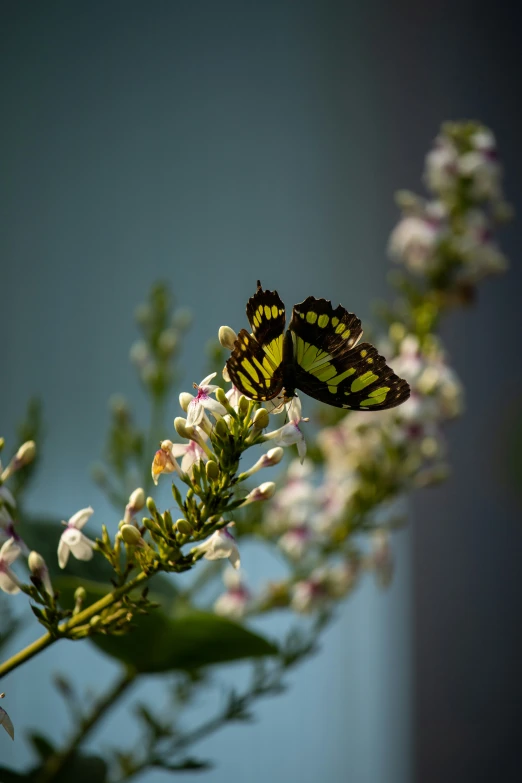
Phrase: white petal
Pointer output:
(5, 721)
(82, 549)
(9, 551)
(179, 449)
(63, 552)
(301, 448)
(234, 558)
(195, 413)
(79, 519)
(189, 459)
(7, 583)
(205, 381)
(7, 496)
(294, 410)
(214, 406)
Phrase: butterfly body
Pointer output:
(319, 354)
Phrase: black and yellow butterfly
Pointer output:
(319, 354)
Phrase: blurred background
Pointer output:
(210, 144)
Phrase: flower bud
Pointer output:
(95, 621)
(36, 563)
(80, 595)
(182, 318)
(184, 431)
(227, 337)
(137, 499)
(243, 405)
(131, 535)
(221, 429)
(183, 527)
(222, 397)
(152, 506)
(262, 492)
(184, 400)
(139, 353)
(26, 453)
(261, 419)
(168, 342)
(143, 314)
(212, 469)
(273, 457)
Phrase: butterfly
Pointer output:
(319, 354)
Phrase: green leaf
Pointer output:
(80, 769)
(41, 745)
(172, 637)
(8, 776)
(161, 643)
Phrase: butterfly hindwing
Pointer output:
(266, 315)
(252, 370)
(357, 379)
(321, 333)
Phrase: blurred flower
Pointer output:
(9, 583)
(73, 540)
(441, 170)
(235, 601)
(296, 541)
(415, 238)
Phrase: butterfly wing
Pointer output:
(255, 365)
(332, 368)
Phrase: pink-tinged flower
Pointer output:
(202, 400)
(191, 452)
(9, 583)
(5, 721)
(8, 530)
(290, 434)
(73, 540)
(296, 541)
(235, 601)
(164, 461)
(220, 545)
(233, 395)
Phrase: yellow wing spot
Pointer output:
(274, 311)
(332, 389)
(373, 401)
(311, 317)
(302, 315)
(382, 391)
(346, 334)
(363, 380)
(258, 364)
(268, 312)
(325, 373)
(369, 361)
(260, 312)
(364, 353)
(343, 375)
(268, 366)
(267, 383)
(251, 370)
(335, 321)
(323, 320)
(281, 312)
(246, 383)
(256, 321)
(340, 329)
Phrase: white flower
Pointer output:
(202, 400)
(191, 452)
(221, 544)
(289, 433)
(235, 601)
(441, 166)
(73, 540)
(8, 581)
(6, 496)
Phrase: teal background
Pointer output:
(210, 144)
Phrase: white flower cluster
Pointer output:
(454, 230)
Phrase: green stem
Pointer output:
(55, 763)
(80, 619)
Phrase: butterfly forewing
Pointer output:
(252, 370)
(358, 379)
(266, 315)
